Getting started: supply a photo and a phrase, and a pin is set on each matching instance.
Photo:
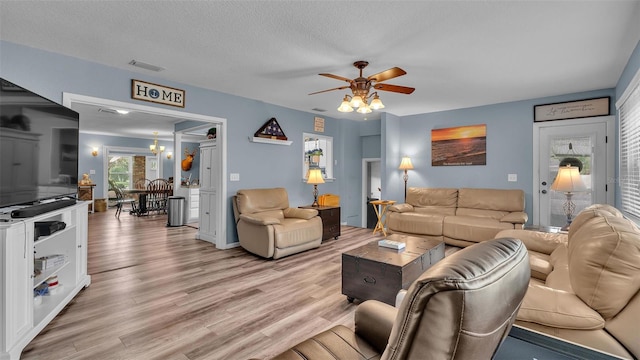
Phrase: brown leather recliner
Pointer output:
(268, 227)
(461, 308)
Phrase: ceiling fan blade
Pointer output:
(394, 88)
(337, 77)
(338, 88)
(387, 74)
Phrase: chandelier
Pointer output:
(155, 149)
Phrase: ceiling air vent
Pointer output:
(146, 66)
(318, 110)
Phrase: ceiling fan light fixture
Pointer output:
(376, 103)
(356, 101)
(364, 109)
(345, 107)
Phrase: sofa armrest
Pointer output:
(399, 297)
(300, 213)
(401, 208)
(559, 309)
(515, 217)
(542, 242)
(259, 220)
(374, 321)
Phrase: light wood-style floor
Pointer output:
(157, 293)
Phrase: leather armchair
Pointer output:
(268, 227)
(461, 308)
(587, 289)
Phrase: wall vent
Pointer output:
(145, 65)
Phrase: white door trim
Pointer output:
(221, 218)
(611, 147)
(363, 201)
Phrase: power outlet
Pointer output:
(92, 172)
(512, 177)
(234, 177)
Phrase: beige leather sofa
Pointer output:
(459, 217)
(585, 285)
(461, 308)
(268, 227)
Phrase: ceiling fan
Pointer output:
(361, 86)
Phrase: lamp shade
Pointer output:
(568, 180)
(315, 177)
(406, 164)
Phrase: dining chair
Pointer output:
(158, 192)
(121, 200)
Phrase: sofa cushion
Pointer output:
(537, 241)
(556, 308)
(295, 231)
(595, 210)
(416, 223)
(559, 276)
(540, 265)
(611, 276)
(491, 199)
(258, 200)
(481, 213)
(472, 228)
(441, 197)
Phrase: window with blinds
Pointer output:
(629, 113)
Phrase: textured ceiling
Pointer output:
(457, 54)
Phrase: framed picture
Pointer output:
(572, 109)
(459, 146)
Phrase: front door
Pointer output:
(565, 141)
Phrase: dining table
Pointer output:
(142, 208)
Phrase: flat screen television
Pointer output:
(38, 147)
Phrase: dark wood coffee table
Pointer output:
(376, 272)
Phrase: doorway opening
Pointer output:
(371, 190)
(589, 142)
(220, 216)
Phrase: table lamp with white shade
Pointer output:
(568, 181)
(315, 178)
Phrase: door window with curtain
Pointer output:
(629, 114)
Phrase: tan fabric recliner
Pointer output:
(461, 308)
(268, 227)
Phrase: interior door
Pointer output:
(585, 142)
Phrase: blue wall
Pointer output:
(509, 132)
(259, 165)
(509, 145)
(87, 162)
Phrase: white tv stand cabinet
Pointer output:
(20, 318)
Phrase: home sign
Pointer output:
(146, 91)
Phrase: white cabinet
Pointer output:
(21, 319)
(208, 204)
(209, 165)
(192, 205)
(16, 286)
(207, 224)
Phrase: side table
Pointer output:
(382, 220)
(330, 216)
(85, 192)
